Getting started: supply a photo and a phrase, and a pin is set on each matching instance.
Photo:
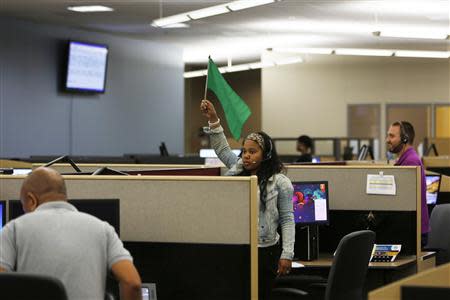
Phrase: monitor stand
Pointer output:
(307, 242)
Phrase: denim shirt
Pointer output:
(279, 208)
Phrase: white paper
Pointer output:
(380, 184)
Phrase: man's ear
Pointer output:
(32, 201)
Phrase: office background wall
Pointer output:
(142, 106)
(311, 98)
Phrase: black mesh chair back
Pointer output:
(20, 286)
(350, 264)
(439, 236)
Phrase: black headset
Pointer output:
(269, 152)
(404, 137)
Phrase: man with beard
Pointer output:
(399, 140)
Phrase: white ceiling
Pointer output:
(243, 35)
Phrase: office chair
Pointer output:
(347, 274)
(439, 236)
(20, 286)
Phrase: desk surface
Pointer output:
(325, 260)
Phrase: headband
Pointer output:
(256, 137)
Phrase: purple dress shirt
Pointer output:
(410, 158)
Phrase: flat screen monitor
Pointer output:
(433, 182)
(310, 201)
(104, 209)
(86, 67)
(2, 214)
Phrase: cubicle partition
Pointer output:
(67, 168)
(394, 218)
(194, 236)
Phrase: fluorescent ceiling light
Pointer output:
(364, 52)
(177, 25)
(208, 12)
(412, 34)
(170, 20)
(244, 4)
(290, 60)
(90, 8)
(304, 50)
(426, 54)
(238, 68)
(198, 73)
(260, 65)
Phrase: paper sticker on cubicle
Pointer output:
(380, 184)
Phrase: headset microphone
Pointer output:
(253, 162)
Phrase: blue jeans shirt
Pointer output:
(279, 208)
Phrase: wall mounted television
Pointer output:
(86, 67)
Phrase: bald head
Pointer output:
(42, 185)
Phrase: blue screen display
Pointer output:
(2, 214)
(310, 202)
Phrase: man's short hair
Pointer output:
(407, 132)
(305, 140)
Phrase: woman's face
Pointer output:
(252, 156)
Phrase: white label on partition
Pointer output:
(380, 184)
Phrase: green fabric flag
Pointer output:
(236, 110)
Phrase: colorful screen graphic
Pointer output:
(432, 188)
(310, 201)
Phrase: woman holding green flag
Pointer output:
(259, 157)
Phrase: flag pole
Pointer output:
(206, 82)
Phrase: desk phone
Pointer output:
(385, 252)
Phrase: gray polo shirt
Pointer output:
(59, 241)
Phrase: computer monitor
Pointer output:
(2, 214)
(433, 182)
(310, 201)
(105, 209)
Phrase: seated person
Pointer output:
(304, 146)
(56, 240)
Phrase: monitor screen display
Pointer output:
(86, 67)
(433, 182)
(2, 214)
(310, 201)
(104, 209)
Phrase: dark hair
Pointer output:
(270, 165)
(305, 140)
(407, 133)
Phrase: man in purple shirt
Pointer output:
(399, 140)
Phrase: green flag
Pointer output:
(236, 111)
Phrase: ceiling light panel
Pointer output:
(364, 52)
(413, 34)
(208, 12)
(90, 8)
(425, 54)
(170, 20)
(244, 4)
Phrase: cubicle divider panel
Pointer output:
(347, 186)
(181, 229)
(395, 218)
(67, 168)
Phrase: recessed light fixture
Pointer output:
(210, 11)
(363, 52)
(425, 54)
(90, 8)
(412, 34)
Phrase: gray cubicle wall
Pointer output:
(347, 191)
(347, 186)
(67, 168)
(203, 214)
